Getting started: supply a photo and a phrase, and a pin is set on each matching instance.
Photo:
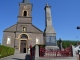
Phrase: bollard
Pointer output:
(37, 50)
(27, 57)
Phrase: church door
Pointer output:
(23, 46)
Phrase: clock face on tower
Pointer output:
(25, 7)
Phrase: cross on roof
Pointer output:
(26, 1)
(47, 4)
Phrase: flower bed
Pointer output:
(6, 51)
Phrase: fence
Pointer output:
(32, 52)
(51, 53)
(56, 53)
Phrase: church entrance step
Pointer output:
(16, 51)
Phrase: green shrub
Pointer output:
(6, 51)
(66, 43)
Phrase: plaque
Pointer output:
(51, 40)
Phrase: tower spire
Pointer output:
(25, 1)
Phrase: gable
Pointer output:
(11, 28)
(37, 30)
(31, 29)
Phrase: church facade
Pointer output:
(23, 34)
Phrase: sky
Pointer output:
(65, 16)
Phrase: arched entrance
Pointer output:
(23, 43)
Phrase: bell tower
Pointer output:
(25, 12)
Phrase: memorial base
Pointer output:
(52, 47)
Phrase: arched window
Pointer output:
(37, 40)
(24, 36)
(9, 40)
(25, 13)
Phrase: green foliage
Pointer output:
(66, 43)
(39, 45)
(42, 46)
(6, 51)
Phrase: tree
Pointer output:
(66, 43)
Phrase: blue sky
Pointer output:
(65, 16)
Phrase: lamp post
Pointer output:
(15, 35)
(78, 27)
(77, 40)
(14, 38)
(79, 52)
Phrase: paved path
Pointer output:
(27, 57)
(17, 57)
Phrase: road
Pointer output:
(17, 57)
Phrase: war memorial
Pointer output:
(24, 37)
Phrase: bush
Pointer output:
(6, 51)
(66, 43)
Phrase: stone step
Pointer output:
(48, 54)
(16, 52)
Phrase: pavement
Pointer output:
(23, 56)
(17, 57)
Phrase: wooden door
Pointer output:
(23, 46)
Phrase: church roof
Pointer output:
(37, 28)
(11, 28)
(32, 29)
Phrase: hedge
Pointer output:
(6, 51)
(66, 43)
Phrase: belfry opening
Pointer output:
(25, 13)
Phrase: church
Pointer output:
(23, 34)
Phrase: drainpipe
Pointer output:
(14, 39)
(15, 35)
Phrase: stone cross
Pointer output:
(26, 1)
